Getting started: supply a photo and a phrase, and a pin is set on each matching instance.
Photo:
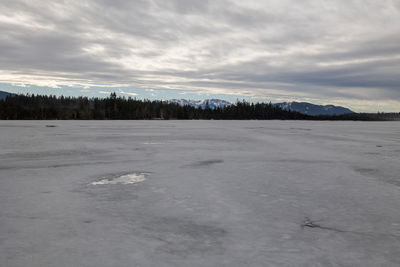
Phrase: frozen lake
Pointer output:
(199, 193)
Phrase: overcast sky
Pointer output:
(341, 52)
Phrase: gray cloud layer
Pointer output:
(333, 51)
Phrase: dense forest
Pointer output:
(42, 107)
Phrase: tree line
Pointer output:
(43, 107)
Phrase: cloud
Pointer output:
(326, 51)
(128, 93)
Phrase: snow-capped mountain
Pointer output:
(311, 109)
(302, 107)
(211, 103)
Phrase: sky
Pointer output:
(343, 52)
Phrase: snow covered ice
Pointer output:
(204, 193)
(131, 178)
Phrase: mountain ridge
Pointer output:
(213, 103)
(210, 103)
(313, 109)
(301, 107)
(4, 94)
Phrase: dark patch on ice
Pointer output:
(7, 168)
(386, 175)
(378, 146)
(301, 129)
(51, 126)
(373, 153)
(88, 221)
(183, 237)
(205, 163)
(301, 161)
(251, 128)
(308, 223)
(46, 192)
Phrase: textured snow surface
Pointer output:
(131, 178)
(218, 193)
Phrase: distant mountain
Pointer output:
(313, 110)
(3, 94)
(302, 107)
(211, 103)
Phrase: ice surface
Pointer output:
(221, 193)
